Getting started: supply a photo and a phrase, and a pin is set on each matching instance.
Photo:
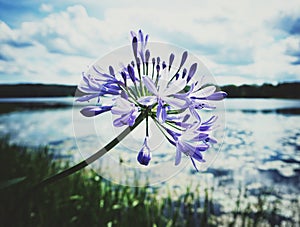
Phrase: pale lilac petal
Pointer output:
(122, 106)
(178, 155)
(159, 109)
(217, 96)
(86, 97)
(133, 116)
(204, 92)
(178, 103)
(174, 87)
(86, 88)
(195, 113)
(104, 76)
(202, 147)
(211, 120)
(118, 111)
(198, 156)
(121, 121)
(163, 81)
(163, 114)
(204, 104)
(150, 85)
(200, 137)
(133, 34)
(147, 100)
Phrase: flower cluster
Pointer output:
(171, 98)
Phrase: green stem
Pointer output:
(93, 157)
(147, 126)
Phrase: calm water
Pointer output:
(260, 149)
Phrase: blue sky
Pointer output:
(241, 42)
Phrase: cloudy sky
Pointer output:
(241, 42)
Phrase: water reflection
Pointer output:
(260, 150)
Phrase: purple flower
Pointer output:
(193, 151)
(191, 143)
(127, 110)
(144, 156)
(198, 98)
(172, 99)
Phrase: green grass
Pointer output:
(86, 199)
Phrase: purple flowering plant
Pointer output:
(152, 88)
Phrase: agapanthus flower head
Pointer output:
(154, 88)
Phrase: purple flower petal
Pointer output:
(159, 109)
(125, 119)
(86, 97)
(202, 147)
(131, 73)
(211, 140)
(174, 87)
(219, 95)
(191, 72)
(200, 137)
(147, 55)
(171, 59)
(141, 36)
(144, 156)
(91, 111)
(147, 100)
(210, 120)
(204, 92)
(178, 103)
(183, 58)
(150, 85)
(111, 71)
(133, 34)
(198, 156)
(135, 46)
(178, 156)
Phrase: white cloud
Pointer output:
(46, 8)
(238, 40)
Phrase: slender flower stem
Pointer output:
(93, 157)
(137, 90)
(174, 126)
(147, 125)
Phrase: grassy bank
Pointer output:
(85, 199)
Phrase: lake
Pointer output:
(259, 146)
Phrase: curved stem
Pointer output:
(95, 156)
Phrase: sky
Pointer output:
(240, 42)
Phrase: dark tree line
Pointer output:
(283, 90)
